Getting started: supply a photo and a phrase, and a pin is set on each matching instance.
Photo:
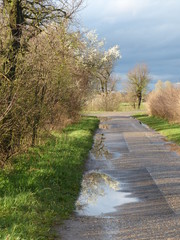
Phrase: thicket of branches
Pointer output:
(164, 102)
(46, 69)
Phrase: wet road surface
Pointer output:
(131, 187)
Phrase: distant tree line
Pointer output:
(132, 95)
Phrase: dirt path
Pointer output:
(131, 189)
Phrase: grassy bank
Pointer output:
(41, 186)
(169, 130)
(127, 107)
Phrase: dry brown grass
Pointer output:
(165, 103)
(104, 102)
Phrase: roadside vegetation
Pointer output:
(41, 186)
(163, 107)
(164, 102)
(48, 68)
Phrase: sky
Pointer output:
(147, 31)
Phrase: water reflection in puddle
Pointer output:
(103, 126)
(100, 194)
(100, 150)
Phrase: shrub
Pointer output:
(165, 103)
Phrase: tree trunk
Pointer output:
(102, 86)
(15, 21)
(139, 100)
(14, 10)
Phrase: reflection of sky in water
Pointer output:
(100, 194)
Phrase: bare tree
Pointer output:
(138, 80)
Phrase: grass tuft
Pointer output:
(42, 185)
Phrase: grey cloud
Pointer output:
(151, 36)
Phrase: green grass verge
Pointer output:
(169, 130)
(41, 186)
(125, 107)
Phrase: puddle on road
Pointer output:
(100, 194)
(100, 150)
